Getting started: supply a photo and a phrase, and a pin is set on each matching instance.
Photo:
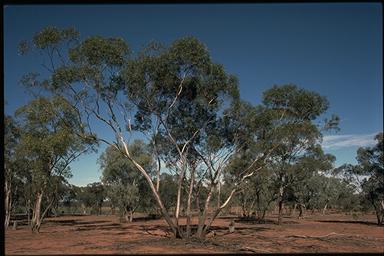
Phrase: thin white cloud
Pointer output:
(348, 140)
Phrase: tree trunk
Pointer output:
(55, 209)
(112, 210)
(258, 206)
(36, 220)
(217, 212)
(175, 229)
(126, 216)
(84, 208)
(280, 216)
(300, 211)
(178, 199)
(263, 216)
(28, 217)
(218, 194)
(251, 208)
(325, 208)
(243, 207)
(29, 211)
(128, 213)
(378, 215)
(189, 214)
(382, 204)
(203, 215)
(8, 202)
(158, 174)
(381, 221)
(130, 216)
(294, 209)
(379, 212)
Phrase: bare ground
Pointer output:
(106, 235)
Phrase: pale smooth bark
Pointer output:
(325, 208)
(218, 210)
(175, 229)
(158, 174)
(203, 215)
(189, 214)
(36, 220)
(180, 183)
(8, 204)
(218, 194)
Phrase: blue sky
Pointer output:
(332, 48)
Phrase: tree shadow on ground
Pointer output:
(146, 218)
(104, 227)
(166, 231)
(265, 221)
(76, 222)
(368, 223)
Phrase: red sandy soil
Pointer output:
(106, 235)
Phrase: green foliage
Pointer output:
(125, 186)
(153, 81)
(189, 109)
(371, 162)
(168, 190)
(298, 103)
(257, 194)
(48, 134)
(52, 36)
(96, 51)
(92, 196)
(11, 139)
(16, 168)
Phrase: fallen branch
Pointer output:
(247, 248)
(300, 236)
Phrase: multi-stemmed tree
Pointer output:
(186, 105)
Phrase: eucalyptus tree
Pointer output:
(69, 197)
(257, 195)
(174, 93)
(329, 192)
(124, 185)
(296, 132)
(56, 191)
(285, 124)
(302, 178)
(49, 143)
(371, 161)
(316, 192)
(371, 166)
(187, 107)
(96, 196)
